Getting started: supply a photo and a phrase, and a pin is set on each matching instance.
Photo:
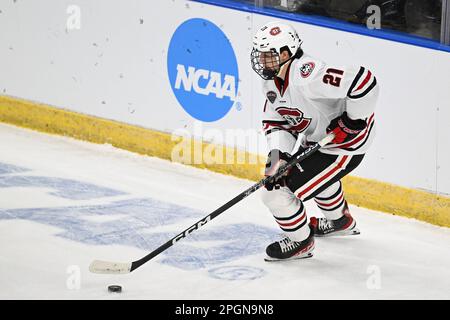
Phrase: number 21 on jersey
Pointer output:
(333, 77)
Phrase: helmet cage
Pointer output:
(265, 63)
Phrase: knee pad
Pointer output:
(281, 202)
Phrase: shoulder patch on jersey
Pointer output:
(306, 69)
(271, 96)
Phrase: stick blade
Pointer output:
(106, 267)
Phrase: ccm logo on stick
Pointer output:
(194, 227)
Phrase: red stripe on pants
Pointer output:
(339, 165)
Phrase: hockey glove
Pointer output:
(275, 160)
(345, 129)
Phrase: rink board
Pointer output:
(360, 191)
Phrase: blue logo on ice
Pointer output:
(203, 70)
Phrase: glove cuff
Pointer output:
(354, 125)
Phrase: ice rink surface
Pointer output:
(64, 203)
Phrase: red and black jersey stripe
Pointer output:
(364, 137)
(363, 83)
(360, 139)
(274, 124)
(293, 133)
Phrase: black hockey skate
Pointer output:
(343, 226)
(286, 249)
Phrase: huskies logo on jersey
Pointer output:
(203, 70)
(295, 118)
(306, 69)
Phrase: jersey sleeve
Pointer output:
(276, 130)
(358, 86)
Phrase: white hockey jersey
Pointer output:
(312, 95)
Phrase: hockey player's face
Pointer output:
(266, 64)
(269, 60)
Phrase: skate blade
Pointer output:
(304, 256)
(352, 232)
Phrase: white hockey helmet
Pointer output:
(268, 43)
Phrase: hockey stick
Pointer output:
(98, 266)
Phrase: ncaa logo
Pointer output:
(203, 70)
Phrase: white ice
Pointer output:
(64, 203)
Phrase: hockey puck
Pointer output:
(115, 288)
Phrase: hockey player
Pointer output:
(306, 99)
